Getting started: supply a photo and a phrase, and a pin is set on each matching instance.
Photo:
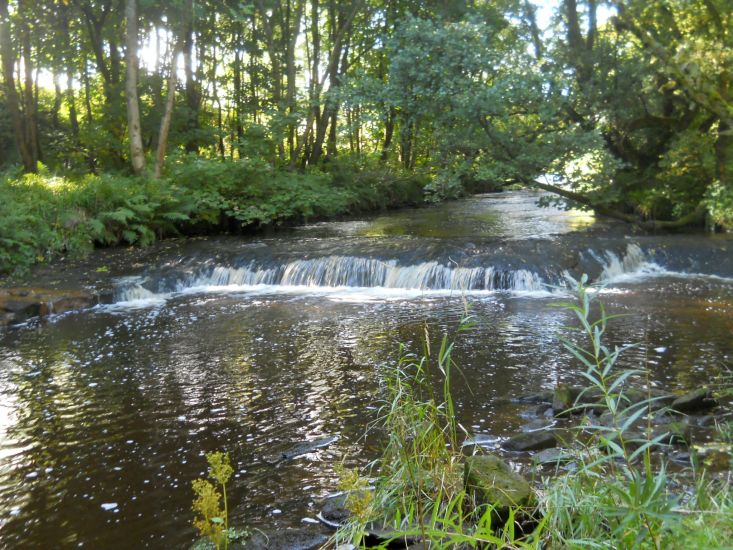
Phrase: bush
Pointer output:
(43, 216)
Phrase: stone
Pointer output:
(286, 539)
(18, 305)
(535, 398)
(656, 399)
(674, 432)
(531, 441)
(538, 424)
(299, 449)
(334, 512)
(553, 456)
(238, 539)
(564, 398)
(696, 400)
(491, 481)
(716, 456)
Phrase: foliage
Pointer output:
(43, 216)
(617, 496)
(625, 103)
(419, 490)
(212, 520)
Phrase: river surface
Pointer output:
(253, 345)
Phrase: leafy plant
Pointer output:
(212, 520)
(420, 490)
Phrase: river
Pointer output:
(252, 345)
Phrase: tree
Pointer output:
(137, 154)
(22, 114)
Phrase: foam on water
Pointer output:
(363, 279)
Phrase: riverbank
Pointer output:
(613, 465)
(44, 217)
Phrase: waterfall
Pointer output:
(633, 263)
(388, 276)
(350, 271)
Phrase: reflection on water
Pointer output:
(513, 215)
(105, 415)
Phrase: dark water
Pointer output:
(105, 415)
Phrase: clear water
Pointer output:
(105, 414)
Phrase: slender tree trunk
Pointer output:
(71, 104)
(30, 99)
(237, 83)
(165, 122)
(137, 155)
(87, 95)
(293, 30)
(192, 95)
(12, 98)
(217, 100)
(58, 99)
(253, 75)
(388, 134)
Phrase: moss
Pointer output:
(492, 481)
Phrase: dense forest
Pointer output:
(133, 119)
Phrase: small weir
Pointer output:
(339, 272)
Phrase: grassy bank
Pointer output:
(618, 493)
(45, 216)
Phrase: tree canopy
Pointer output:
(625, 107)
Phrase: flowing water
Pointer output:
(255, 345)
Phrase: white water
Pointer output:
(350, 278)
(349, 271)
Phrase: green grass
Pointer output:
(621, 494)
(44, 216)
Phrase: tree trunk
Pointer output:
(192, 95)
(137, 155)
(293, 30)
(388, 134)
(165, 122)
(25, 149)
(30, 99)
(71, 103)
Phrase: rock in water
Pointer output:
(564, 398)
(287, 539)
(18, 305)
(277, 539)
(696, 400)
(531, 441)
(673, 432)
(300, 449)
(492, 481)
(553, 456)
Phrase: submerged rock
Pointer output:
(564, 398)
(696, 400)
(674, 432)
(715, 455)
(492, 482)
(334, 512)
(280, 539)
(552, 456)
(531, 441)
(535, 398)
(286, 539)
(300, 449)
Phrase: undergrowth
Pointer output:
(619, 493)
(44, 216)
